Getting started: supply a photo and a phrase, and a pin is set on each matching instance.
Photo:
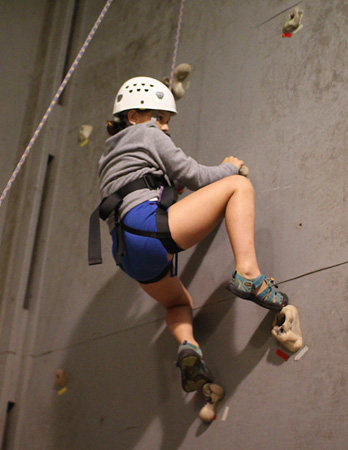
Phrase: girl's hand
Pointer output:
(231, 159)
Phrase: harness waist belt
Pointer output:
(112, 203)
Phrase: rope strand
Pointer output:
(177, 40)
(54, 101)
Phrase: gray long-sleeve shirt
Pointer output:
(144, 149)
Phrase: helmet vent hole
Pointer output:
(142, 102)
(131, 91)
(146, 90)
(138, 90)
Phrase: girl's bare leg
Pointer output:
(194, 217)
(173, 296)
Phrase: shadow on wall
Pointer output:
(125, 384)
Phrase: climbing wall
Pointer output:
(278, 103)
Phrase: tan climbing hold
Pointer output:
(180, 74)
(61, 378)
(287, 330)
(213, 394)
(244, 170)
(293, 24)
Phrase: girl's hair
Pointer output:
(114, 126)
(120, 122)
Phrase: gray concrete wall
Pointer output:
(22, 62)
(279, 104)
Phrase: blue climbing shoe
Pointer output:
(269, 298)
(194, 372)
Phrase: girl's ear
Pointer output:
(133, 116)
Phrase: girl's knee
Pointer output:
(179, 301)
(247, 183)
(174, 306)
(241, 182)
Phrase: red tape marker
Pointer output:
(287, 35)
(282, 354)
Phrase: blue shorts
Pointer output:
(146, 259)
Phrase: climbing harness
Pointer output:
(176, 47)
(111, 204)
(54, 101)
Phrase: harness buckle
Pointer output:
(150, 181)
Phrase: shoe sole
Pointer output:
(253, 298)
(186, 364)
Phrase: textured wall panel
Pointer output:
(280, 105)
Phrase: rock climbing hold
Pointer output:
(84, 134)
(61, 378)
(213, 394)
(179, 87)
(293, 24)
(244, 170)
(287, 330)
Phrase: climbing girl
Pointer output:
(140, 171)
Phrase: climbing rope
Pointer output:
(54, 101)
(177, 40)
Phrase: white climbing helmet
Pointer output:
(144, 93)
